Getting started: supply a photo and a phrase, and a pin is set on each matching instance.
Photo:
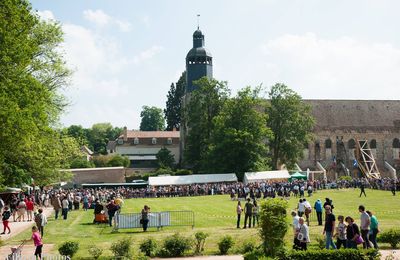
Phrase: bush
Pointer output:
(164, 171)
(140, 256)
(273, 225)
(68, 248)
(391, 237)
(320, 241)
(148, 247)
(122, 248)
(247, 247)
(225, 244)
(183, 172)
(175, 245)
(255, 255)
(348, 254)
(200, 241)
(95, 252)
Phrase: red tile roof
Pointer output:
(151, 134)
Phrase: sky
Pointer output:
(125, 54)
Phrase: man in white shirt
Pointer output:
(296, 228)
(364, 227)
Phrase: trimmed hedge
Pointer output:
(392, 237)
(348, 254)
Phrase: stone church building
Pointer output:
(339, 124)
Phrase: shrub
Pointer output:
(68, 248)
(248, 246)
(348, 254)
(148, 247)
(225, 244)
(183, 172)
(95, 252)
(140, 256)
(273, 225)
(320, 241)
(175, 245)
(200, 241)
(391, 237)
(122, 248)
(255, 255)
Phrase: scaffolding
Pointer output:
(366, 161)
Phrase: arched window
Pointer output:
(396, 143)
(351, 144)
(372, 144)
(328, 144)
(136, 140)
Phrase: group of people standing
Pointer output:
(251, 212)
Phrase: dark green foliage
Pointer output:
(348, 254)
(291, 122)
(81, 163)
(200, 241)
(164, 171)
(165, 159)
(148, 247)
(99, 135)
(173, 109)
(273, 225)
(183, 172)
(248, 246)
(392, 237)
(122, 248)
(255, 255)
(225, 244)
(95, 252)
(175, 245)
(68, 248)
(152, 119)
(110, 160)
(320, 241)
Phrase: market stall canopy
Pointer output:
(265, 176)
(298, 176)
(191, 179)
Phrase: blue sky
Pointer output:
(125, 53)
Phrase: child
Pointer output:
(37, 241)
(6, 216)
(341, 233)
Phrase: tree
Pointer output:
(165, 159)
(100, 134)
(173, 106)
(291, 122)
(32, 72)
(239, 140)
(152, 119)
(204, 104)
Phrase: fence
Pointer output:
(32, 257)
(156, 219)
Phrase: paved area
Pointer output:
(27, 250)
(394, 253)
(214, 257)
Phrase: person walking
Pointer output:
(41, 221)
(65, 207)
(145, 217)
(29, 208)
(373, 229)
(303, 235)
(239, 211)
(362, 189)
(248, 211)
(341, 233)
(318, 210)
(329, 228)
(365, 222)
(56, 203)
(5, 218)
(352, 233)
(111, 209)
(37, 241)
(296, 228)
(255, 212)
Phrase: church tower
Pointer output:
(198, 61)
(198, 65)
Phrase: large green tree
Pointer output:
(32, 71)
(99, 135)
(165, 159)
(291, 122)
(152, 119)
(239, 139)
(204, 104)
(173, 106)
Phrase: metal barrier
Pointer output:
(32, 257)
(156, 219)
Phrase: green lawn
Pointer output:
(213, 214)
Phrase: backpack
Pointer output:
(38, 219)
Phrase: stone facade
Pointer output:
(340, 123)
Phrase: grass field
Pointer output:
(213, 214)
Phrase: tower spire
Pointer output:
(198, 22)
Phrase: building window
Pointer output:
(351, 144)
(372, 144)
(169, 140)
(154, 140)
(328, 144)
(396, 143)
(136, 140)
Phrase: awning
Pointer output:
(191, 179)
(265, 175)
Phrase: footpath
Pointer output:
(17, 228)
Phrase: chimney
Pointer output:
(125, 133)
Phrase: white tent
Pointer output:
(190, 179)
(265, 176)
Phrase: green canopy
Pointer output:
(297, 176)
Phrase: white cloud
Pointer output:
(334, 68)
(101, 19)
(147, 54)
(46, 15)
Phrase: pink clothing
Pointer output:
(37, 240)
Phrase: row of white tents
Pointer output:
(249, 177)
